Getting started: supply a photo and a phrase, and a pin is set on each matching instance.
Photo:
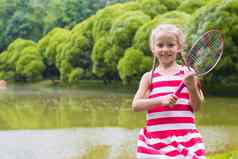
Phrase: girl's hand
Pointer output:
(195, 93)
(168, 100)
(190, 81)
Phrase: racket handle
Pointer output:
(179, 89)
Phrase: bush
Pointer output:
(156, 7)
(125, 26)
(133, 64)
(190, 6)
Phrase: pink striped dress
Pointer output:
(170, 132)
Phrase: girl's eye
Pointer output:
(170, 45)
(160, 45)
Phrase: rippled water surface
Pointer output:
(47, 123)
(75, 142)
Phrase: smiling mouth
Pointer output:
(166, 55)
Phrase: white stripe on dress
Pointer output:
(170, 139)
(143, 144)
(167, 114)
(182, 101)
(166, 90)
(196, 147)
(165, 78)
(163, 127)
(169, 148)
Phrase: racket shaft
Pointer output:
(179, 89)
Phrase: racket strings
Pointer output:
(214, 45)
(212, 40)
(198, 64)
(195, 58)
(205, 54)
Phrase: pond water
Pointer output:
(75, 142)
(46, 123)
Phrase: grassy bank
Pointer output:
(233, 154)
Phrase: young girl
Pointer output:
(170, 131)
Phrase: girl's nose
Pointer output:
(164, 48)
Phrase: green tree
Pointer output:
(115, 36)
(75, 75)
(28, 27)
(77, 52)
(48, 48)
(105, 18)
(29, 66)
(99, 50)
(75, 11)
(65, 68)
(133, 64)
(156, 7)
(31, 19)
(7, 9)
(125, 27)
(141, 38)
(21, 62)
(54, 16)
(190, 6)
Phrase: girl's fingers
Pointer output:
(173, 100)
(174, 97)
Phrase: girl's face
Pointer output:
(166, 48)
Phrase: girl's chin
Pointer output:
(167, 62)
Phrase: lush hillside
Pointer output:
(113, 43)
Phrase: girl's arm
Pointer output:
(141, 101)
(196, 95)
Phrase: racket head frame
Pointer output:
(220, 48)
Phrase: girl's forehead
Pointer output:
(166, 36)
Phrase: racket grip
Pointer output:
(179, 89)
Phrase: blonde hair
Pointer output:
(179, 34)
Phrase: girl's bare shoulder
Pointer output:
(147, 76)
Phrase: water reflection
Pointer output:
(49, 108)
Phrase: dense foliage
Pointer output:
(32, 19)
(21, 62)
(113, 44)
